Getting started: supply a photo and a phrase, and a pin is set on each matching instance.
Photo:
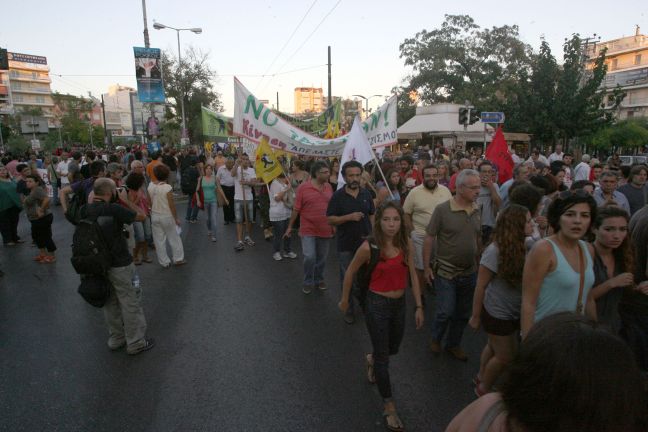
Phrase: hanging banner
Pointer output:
(253, 120)
(216, 125)
(148, 72)
(318, 125)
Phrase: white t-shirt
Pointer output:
(278, 210)
(224, 176)
(582, 171)
(245, 175)
(159, 201)
(62, 171)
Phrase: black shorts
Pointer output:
(498, 327)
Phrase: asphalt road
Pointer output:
(239, 348)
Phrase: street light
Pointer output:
(196, 30)
(367, 101)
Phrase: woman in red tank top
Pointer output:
(384, 307)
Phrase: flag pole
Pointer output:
(382, 174)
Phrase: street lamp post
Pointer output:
(367, 101)
(196, 30)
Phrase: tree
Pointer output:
(544, 77)
(191, 79)
(73, 117)
(625, 134)
(461, 61)
(406, 104)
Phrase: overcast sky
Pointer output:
(90, 43)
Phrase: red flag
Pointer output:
(498, 153)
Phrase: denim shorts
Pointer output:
(238, 210)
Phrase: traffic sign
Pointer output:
(35, 144)
(492, 117)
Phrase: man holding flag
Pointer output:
(267, 169)
(351, 209)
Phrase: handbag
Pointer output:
(581, 268)
(95, 289)
(198, 199)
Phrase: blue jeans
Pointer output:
(453, 307)
(315, 250)
(279, 227)
(385, 318)
(192, 211)
(211, 208)
(345, 257)
(143, 231)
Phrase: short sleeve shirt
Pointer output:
(457, 232)
(421, 202)
(312, 203)
(501, 300)
(350, 235)
(159, 200)
(85, 186)
(246, 174)
(113, 228)
(485, 202)
(34, 201)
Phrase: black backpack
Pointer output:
(363, 276)
(73, 213)
(189, 180)
(90, 250)
(95, 289)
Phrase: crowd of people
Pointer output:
(551, 263)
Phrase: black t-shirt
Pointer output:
(21, 187)
(188, 161)
(350, 235)
(169, 161)
(113, 228)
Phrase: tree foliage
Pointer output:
(192, 79)
(624, 134)
(73, 118)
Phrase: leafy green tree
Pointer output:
(170, 133)
(17, 144)
(74, 120)
(625, 134)
(191, 79)
(542, 99)
(461, 61)
(406, 102)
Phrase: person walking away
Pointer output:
(188, 184)
(164, 219)
(351, 211)
(244, 178)
(10, 207)
(155, 161)
(224, 176)
(311, 202)
(50, 164)
(41, 218)
(168, 159)
(279, 217)
(384, 304)
(211, 188)
(582, 170)
(123, 311)
(455, 230)
(498, 294)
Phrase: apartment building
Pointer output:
(627, 62)
(29, 85)
(125, 114)
(309, 100)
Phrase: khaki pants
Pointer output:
(123, 310)
(164, 228)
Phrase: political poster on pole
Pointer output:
(148, 73)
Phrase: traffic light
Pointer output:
(463, 116)
(474, 116)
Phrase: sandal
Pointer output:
(371, 377)
(137, 261)
(395, 424)
(147, 260)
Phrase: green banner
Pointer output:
(216, 125)
(315, 125)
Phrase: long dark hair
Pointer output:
(623, 255)
(399, 185)
(509, 237)
(401, 239)
(571, 375)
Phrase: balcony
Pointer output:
(32, 103)
(18, 76)
(31, 90)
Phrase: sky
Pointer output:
(88, 44)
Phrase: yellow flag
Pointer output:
(266, 165)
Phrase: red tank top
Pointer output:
(390, 274)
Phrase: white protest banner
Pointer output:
(357, 148)
(253, 120)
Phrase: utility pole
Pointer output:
(103, 113)
(277, 101)
(330, 97)
(1, 139)
(147, 42)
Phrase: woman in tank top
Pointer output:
(385, 301)
(558, 265)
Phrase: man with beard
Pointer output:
(418, 207)
(351, 210)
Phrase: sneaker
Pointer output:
(212, 238)
(307, 289)
(276, 256)
(248, 241)
(349, 318)
(457, 353)
(116, 345)
(148, 344)
(321, 286)
(239, 246)
(291, 255)
(179, 263)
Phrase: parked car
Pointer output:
(628, 160)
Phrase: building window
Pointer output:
(17, 86)
(637, 59)
(13, 74)
(17, 98)
(614, 64)
(40, 99)
(630, 114)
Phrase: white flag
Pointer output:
(356, 148)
